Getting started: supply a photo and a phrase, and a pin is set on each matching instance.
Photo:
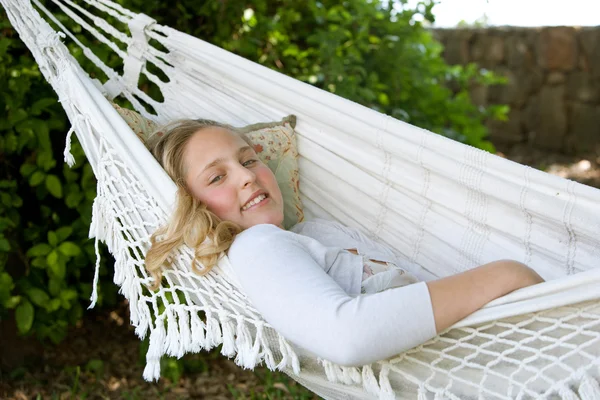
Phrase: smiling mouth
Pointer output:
(258, 199)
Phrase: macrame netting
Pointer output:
(439, 204)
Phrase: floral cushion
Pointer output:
(274, 143)
(141, 126)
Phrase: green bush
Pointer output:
(46, 258)
(363, 50)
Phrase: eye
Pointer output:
(249, 162)
(216, 179)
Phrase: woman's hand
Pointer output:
(455, 297)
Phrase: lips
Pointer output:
(253, 197)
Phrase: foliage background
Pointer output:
(365, 51)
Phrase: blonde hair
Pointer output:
(191, 222)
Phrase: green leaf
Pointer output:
(39, 262)
(6, 285)
(38, 297)
(63, 233)
(6, 199)
(68, 294)
(17, 201)
(41, 104)
(6, 223)
(4, 245)
(10, 143)
(27, 169)
(66, 297)
(6, 184)
(59, 331)
(69, 249)
(73, 199)
(12, 302)
(52, 238)
(53, 305)
(54, 186)
(52, 258)
(45, 160)
(38, 250)
(43, 134)
(58, 269)
(16, 116)
(24, 316)
(54, 286)
(37, 178)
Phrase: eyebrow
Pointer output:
(220, 160)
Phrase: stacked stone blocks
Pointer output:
(553, 86)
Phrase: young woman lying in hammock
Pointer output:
(325, 287)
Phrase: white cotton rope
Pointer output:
(440, 205)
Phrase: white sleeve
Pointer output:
(310, 309)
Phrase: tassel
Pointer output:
(141, 330)
(567, 394)
(94, 296)
(134, 300)
(422, 392)
(119, 277)
(369, 381)
(294, 358)
(329, 371)
(255, 356)
(354, 374)
(199, 341)
(109, 237)
(213, 332)
(157, 341)
(266, 354)
(152, 370)
(172, 339)
(589, 388)
(139, 304)
(127, 283)
(246, 351)
(284, 354)
(386, 392)
(228, 349)
(185, 336)
(439, 396)
(94, 224)
(289, 356)
(144, 318)
(336, 371)
(69, 159)
(348, 375)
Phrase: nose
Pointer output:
(247, 176)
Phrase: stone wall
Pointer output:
(553, 84)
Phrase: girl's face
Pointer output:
(223, 172)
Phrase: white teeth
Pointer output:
(257, 199)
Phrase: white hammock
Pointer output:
(438, 203)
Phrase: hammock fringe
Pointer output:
(589, 388)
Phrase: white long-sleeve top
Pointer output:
(307, 286)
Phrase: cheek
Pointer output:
(267, 178)
(221, 201)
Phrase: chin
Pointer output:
(276, 220)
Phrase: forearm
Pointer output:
(455, 297)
